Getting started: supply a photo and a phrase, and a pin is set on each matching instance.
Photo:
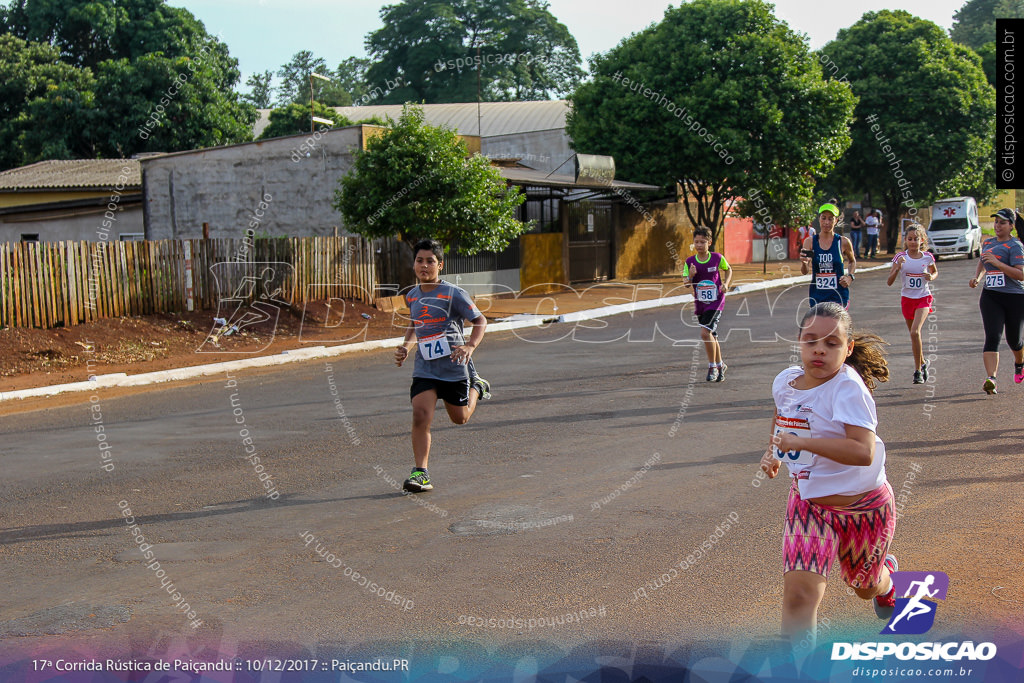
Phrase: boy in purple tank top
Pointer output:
(704, 271)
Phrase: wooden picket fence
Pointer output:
(52, 284)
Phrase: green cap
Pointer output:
(829, 207)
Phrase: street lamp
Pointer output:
(312, 117)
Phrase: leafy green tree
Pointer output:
(261, 90)
(416, 181)
(294, 118)
(295, 76)
(433, 52)
(974, 24)
(350, 77)
(189, 111)
(721, 97)
(148, 66)
(925, 119)
(987, 52)
(46, 106)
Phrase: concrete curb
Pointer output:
(124, 380)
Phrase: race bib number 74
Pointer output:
(434, 347)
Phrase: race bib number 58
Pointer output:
(707, 292)
(434, 347)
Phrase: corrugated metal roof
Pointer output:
(73, 174)
(528, 176)
(496, 118)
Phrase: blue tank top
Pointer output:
(828, 268)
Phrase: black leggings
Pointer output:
(999, 311)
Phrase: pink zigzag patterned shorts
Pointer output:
(858, 534)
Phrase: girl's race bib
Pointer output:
(435, 346)
(796, 426)
(915, 280)
(707, 292)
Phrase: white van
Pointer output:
(954, 228)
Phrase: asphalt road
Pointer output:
(597, 471)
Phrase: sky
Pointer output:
(264, 34)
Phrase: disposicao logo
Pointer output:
(916, 593)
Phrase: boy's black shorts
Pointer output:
(455, 393)
(709, 320)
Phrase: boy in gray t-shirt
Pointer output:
(444, 366)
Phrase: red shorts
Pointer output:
(858, 535)
(911, 305)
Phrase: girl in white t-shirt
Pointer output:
(840, 504)
(918, 269)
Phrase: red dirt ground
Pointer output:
(35, 358)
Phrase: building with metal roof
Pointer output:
(77, 199)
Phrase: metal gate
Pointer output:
(590, 241)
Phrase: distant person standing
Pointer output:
(856, 231)
(872, 224)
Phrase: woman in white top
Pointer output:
(918, 269)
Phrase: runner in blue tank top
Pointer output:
(832, 265)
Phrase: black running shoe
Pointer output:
(721, 373)
(918, 379)
(418, 481)
(924, 370)
(482, 386)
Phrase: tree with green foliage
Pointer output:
(721, 97)
(925, 117)
(148, 74)
(295, 77)
(974, 24)
(46, 106)
(434, 52)
(417, 181)
(293, 119)
(261, 90)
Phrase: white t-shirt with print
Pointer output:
(912, 270)
(823, 412)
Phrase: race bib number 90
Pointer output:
(707, 292)
(915, 280)
(434, 347)
(796, 426)
(826, 281)
(996, 279)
